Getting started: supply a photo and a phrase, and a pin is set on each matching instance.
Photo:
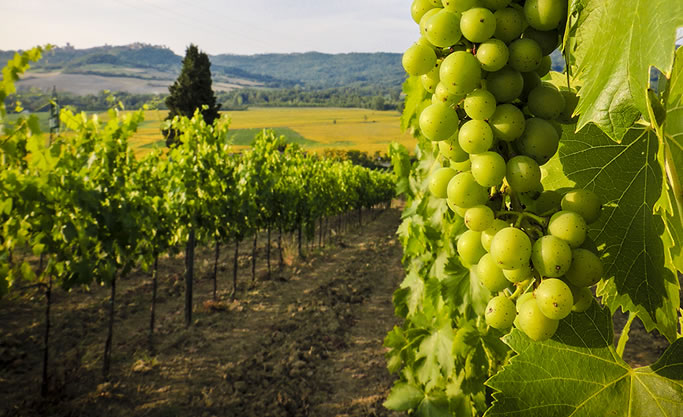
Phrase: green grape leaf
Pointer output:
(415, 102)
(638, 277)
(614, 51)
(403, 397)
(578, 373)
(462, 290)
(671, 203)
(437, 349)
(411, 293)
(436, 406)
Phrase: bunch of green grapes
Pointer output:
(496, 122)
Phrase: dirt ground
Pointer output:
(306, 342)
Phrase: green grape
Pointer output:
(460, 73)
(548, 202)
(525, 55)
(507, 122)
(545, 14)
(493, 55)
(554, 298)
(583, 298)
(462, 166)
(443, 95)
(463, 191)
(539, 140)
(460, 6)
(419, 59)
(469, 247)
(584, 202)
(551, 256)
(586, 268)
(488, 168)
(475, 136)
(423, 22)
(479, 218)
(534, 323)
(511, 248)
(480, 104)
(568, 226)
(500, 312)
(505, 84)
(438, 122)
(545, 66)
(419, 8)
(570, 102)
(519, 275)
(509, 24)
(490, 276)
(443, 29)
(450, 148)
(546, 101)
(527, 296)
(531, 81)
(436, 3)
(428, 84)
(523, 174)
(459, 210)
(547, 40)
(438, 182)
(488, 234)
(496, 4)
(477, 24)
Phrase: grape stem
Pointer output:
(521, 215)
(521, 289)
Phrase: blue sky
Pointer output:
(227, 26)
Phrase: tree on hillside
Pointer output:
(191, 91)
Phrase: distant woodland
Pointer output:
(366, 80)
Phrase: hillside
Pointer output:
(141, 68)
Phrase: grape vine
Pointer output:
(519, 212)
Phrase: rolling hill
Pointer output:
(141, 68)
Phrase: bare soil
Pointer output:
(306, 342)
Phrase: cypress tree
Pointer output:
(192, 90)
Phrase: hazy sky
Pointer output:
(216, 26)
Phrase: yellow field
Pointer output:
(329, 128)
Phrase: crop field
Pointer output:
(314, 128)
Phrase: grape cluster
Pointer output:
(496, 123)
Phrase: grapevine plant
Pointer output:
(540, 204)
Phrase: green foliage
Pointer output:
(627, 150)
(597, 381)
(627, 176)
(615, 64)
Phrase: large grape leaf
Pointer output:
(616, 42)
(578, 373)
(638, 275)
